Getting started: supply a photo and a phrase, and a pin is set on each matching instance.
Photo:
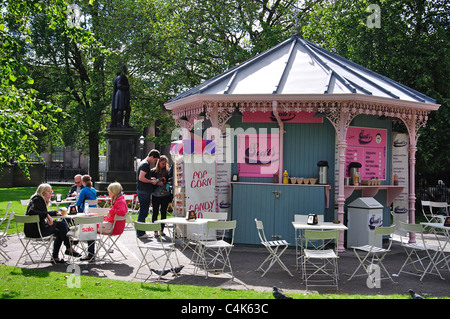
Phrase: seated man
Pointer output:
(76, 188)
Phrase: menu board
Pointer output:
(367, 146)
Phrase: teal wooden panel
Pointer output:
(252, 201)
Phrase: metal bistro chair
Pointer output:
(420, 250)
(438, 210)
(215, 254)
(24, 203)
(109, 241)
(131, 201)
(6, 219)
(99, 210)
(275, 248)
(369, 255)
(85, 221)
(152, 247)
(322, 261)
(201, 234)
(3, 236)
(36, 243)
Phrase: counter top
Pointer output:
(278, 184)
(326, 188)
(370, 191)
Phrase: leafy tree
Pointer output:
(24, 118)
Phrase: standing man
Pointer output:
(145, 187)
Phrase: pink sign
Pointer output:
(367, 146)
(286, 117)
(258, 155)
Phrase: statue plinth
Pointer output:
(120, 154)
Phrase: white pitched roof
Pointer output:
(297, 66)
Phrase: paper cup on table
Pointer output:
(64, 211)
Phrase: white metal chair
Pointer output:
(322, 262)
(109, 241)
(74, 234)
(152, 247)
(275, 248)
(3, 236)
(369, 255)
(214, 255)
(99, 210)
(5, 217)
(438, 210)
(131, 201)
(24, 203)
(417, 253)
(37, 243)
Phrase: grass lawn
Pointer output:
(17, 283)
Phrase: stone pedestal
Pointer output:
(120, 153)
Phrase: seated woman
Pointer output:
(88, 192)
(118, 207)
(38, 206)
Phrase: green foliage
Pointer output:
(411, 47)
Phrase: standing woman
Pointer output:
(38, 206)
(88, 192)
(161, 195)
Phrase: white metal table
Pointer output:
(300, 226)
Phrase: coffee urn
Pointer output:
(354, 171)
(323, 172)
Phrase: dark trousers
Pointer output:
(144, 198)
(160, 204)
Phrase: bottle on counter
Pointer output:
(285, 177)
(395, 179)
(356, 178)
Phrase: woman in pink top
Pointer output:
(118, 207)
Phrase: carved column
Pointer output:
(341, 118)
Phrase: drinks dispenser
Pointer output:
(323, 172)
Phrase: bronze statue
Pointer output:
(120, 109)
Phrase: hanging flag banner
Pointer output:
(367, 146)
(258, 155)
(200, 182)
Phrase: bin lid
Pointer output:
(365, 202)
